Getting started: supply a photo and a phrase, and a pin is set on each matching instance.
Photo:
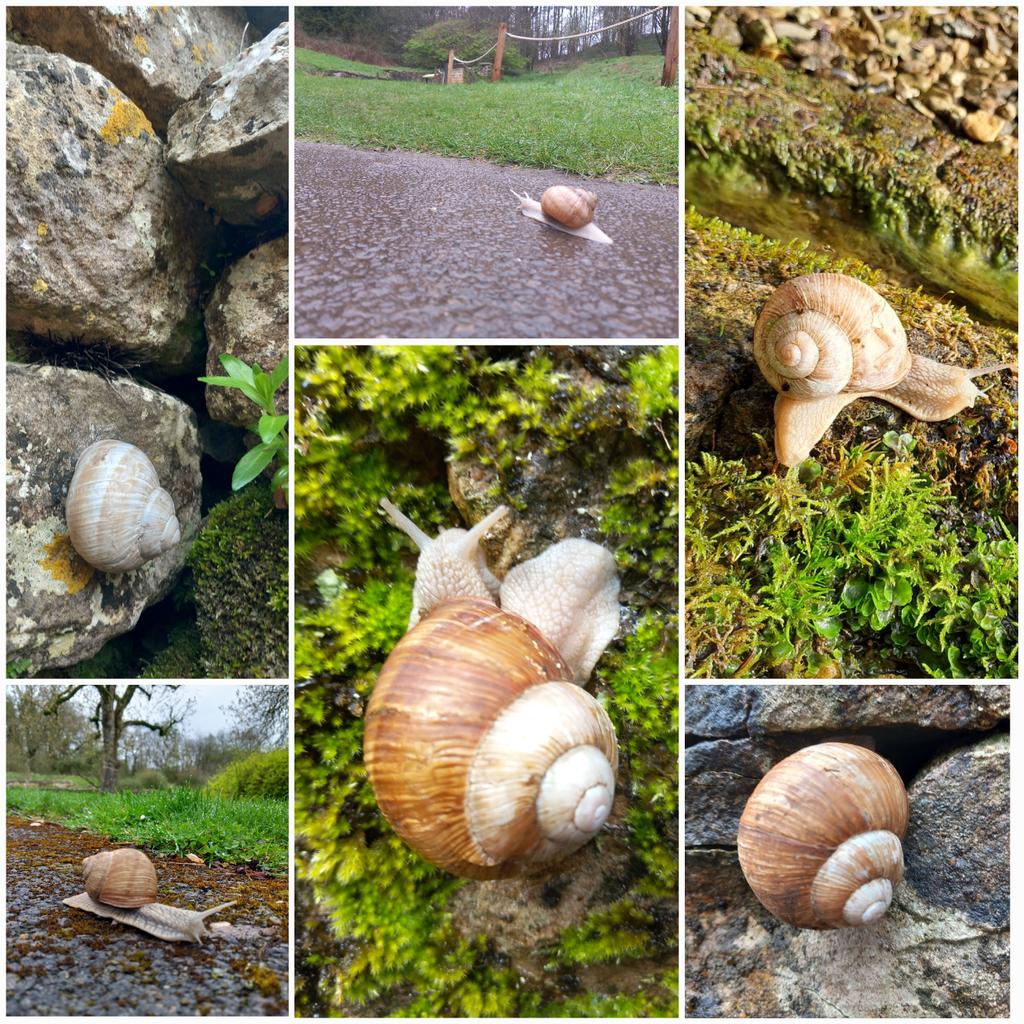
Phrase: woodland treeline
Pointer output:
(387, 29)
(47, 735)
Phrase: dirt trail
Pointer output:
(62, 961)
(406, 245)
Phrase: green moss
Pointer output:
(384, 421)
(240, 564)
(861, 568)
(180, 659)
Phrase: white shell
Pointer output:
(531, 208)
(118, 515)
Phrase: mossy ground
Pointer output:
(240, 565)
(892, 552)
(374, 422)
(945, 206)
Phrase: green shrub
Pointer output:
(263, 775)
(429, 47)
(148, 778)
(240, 563)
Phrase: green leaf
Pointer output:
(270, 426)
(781, 650)
(881, 594)
(828, 627)
(280, 477)
(854, 590)
(902, 592)
(278, 374)
(237, 368)
(251, 464)
(881, 617)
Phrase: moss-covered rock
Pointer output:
(578, 441)
(945, 206)
(240, 565)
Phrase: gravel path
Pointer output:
(66, 962)
(406, 245)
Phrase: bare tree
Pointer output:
(109, 719)
(260, 715)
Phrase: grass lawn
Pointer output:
(177, 821)
(328, 62)
(603, 118)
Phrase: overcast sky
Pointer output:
(209, 707)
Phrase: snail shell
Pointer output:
(820, 837)
(483, 756)
(570, 206)
(121, 885)
(825, 340)
(485, 752)
(120, 878)
(118, 515)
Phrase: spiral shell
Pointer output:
(822, 334)
(570, 206)
(120, 878)
(820, 837)
(482, 755)
(118, 515)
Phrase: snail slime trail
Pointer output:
(489, 679)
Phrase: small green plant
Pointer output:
(259, 387)
(263, 774)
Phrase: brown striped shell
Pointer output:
(476, 744)
(570, 206)
(820, 837)
(120, 878)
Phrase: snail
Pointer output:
(820, 839)
(484, 751)
(565, 208)
(118, 515)
(121, 885)
(825, 340)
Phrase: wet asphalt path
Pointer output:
(62, 961)
(405, 245)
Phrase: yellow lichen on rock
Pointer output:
(125, 121)
(40, 286)
(63, 563)
(197, 55)
(141, 45)
(42, 230)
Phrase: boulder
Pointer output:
(59, 609)
(807, 709)
(102, 244)
(247, 316)
(229, 145)
(155, 55)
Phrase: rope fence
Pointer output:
(475, 59)
(589, 32)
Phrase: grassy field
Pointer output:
(177, 821)
(328, 62)
(606, 118)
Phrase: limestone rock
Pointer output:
(229, 145)
(102, 244)
(155, 55)
(983, 126)
(806, 709)
(247, 316)
(717, 711)
(59, 609)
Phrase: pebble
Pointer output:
(792, 30)
(983, 126)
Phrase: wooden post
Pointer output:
(451, 60)
(499, 53)
(668, 75)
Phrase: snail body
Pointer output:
(484, 751)
(565, 208)
(825, 340)
(118, 515)
(121, 885)
(820, 839)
